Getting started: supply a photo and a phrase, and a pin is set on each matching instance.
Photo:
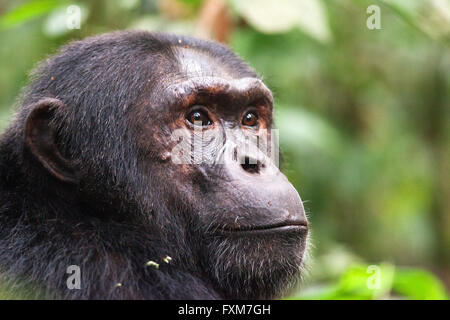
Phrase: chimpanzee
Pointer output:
(89, 185)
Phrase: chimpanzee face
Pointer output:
(191, 148)
(212, 134)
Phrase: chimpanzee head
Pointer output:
(175, 135)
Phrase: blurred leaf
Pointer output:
(355, 284)
(298, 126)
(429, 16)
(357, 281)
(276, 16)
(192, 3)
(128, 4)
(418, 284)
(316, 292)
(55, 24)
(157, 23)
(27, 12)
(333, 263)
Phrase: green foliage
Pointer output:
(55, 24)
(27, 11)
(383, 281)
(431, 17)
(418, 284)
(193, 3)
(280, 16)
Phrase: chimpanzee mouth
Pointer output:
(282, 227)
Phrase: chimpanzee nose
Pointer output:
(238, 160)
(252, 165)
(269, 194)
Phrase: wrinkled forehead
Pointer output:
(195, 75)
(192, 62)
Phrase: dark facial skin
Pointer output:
(250, 219)
(132, 146)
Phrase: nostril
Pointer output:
(235, 154)
(251, 165)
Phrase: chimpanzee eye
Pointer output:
(197, 117)
(250, 119)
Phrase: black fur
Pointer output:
(117, 218)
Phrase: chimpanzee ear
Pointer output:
(40, 137)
